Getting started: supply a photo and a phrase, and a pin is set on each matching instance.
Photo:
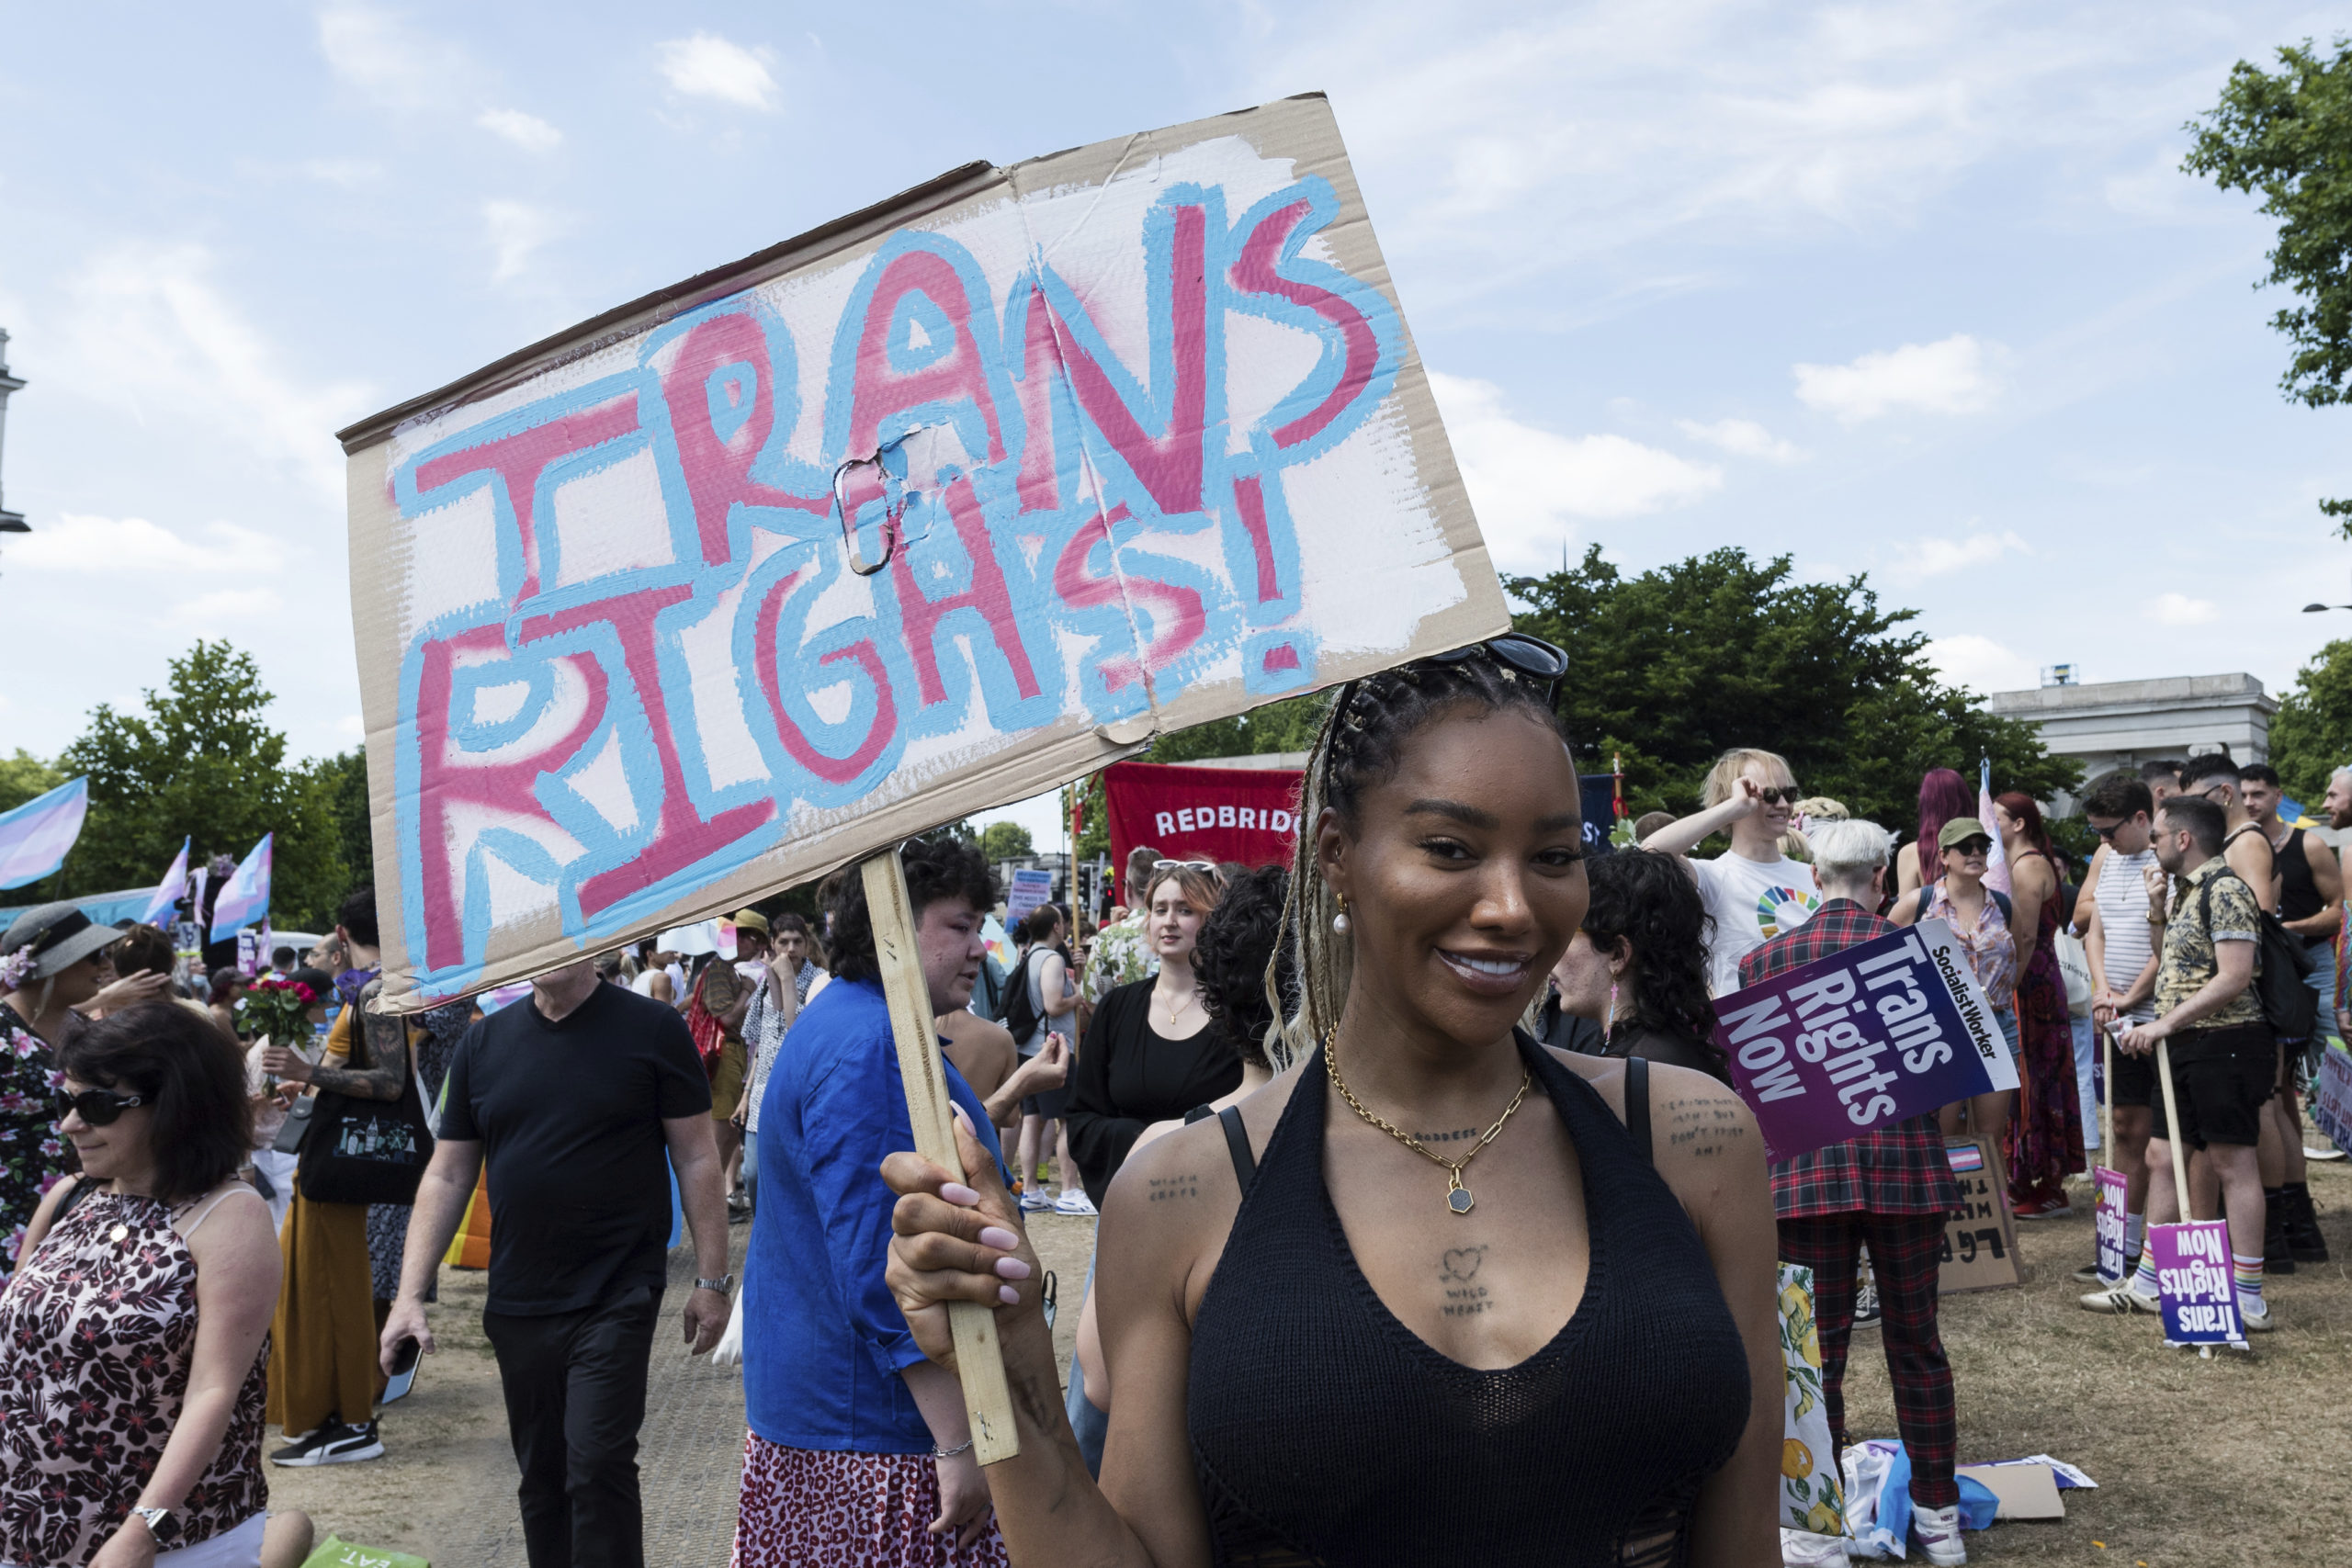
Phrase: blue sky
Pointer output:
(1915, 290)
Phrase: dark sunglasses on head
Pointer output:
(1788, 794)
(1530, 656)
(99, 1106)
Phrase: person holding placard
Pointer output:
(1979, 917)
(2223, 1057)
(1540, 1343)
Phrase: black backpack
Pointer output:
(2282, 961)
(1020, 1016)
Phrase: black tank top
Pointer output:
(1325, 1431)
(2298, 894)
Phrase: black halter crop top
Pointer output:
(1325, 1431)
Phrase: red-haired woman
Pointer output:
(2045, 1136)
(1943, 795)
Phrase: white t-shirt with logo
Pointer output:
(1752, 902)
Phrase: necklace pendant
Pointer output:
(1457, 1197)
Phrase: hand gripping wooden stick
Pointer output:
(980, 1357)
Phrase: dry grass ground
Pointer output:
(2223, 1463)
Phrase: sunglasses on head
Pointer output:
(1529, 656)
(99, 1106)
(1207, 867)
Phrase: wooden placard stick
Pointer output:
(2107, 1097)
(980, 1357)
(2172, 1130)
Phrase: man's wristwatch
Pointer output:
(723, 1284)
(160, 1523)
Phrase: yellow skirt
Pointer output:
(322, 1341)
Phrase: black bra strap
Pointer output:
(1237, 1142)
(1637, 1106)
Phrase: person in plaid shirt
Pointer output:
(1892, 1187)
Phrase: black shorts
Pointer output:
(2220, 1079)
(2133, 1081)
(1053, 1104)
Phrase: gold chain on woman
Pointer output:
(1458, 1197)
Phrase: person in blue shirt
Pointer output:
(859, 1450)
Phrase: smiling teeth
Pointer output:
(1490, 965)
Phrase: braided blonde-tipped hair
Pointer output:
(1361, 740)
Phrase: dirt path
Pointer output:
(2201, 1464)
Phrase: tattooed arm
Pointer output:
(384, 1039)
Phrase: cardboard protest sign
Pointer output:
(1029, 889)
(2332, 1106)
(928, 510)
(2111, 1223)
(1980, 1246)
(1216, 814)
(2195, 1283)
(1869, 1035)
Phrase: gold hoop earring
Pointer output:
(1339, 921)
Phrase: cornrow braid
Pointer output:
(1361, 743)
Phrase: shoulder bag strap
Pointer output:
(1637, 1106)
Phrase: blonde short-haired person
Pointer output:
(1754, 892)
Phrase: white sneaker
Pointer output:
(2257, 1322)
(1034, 1202)
(1074, 1200)
(1803, 1548)
(2121, 1301)
(1937, 1532)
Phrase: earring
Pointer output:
(1339, 921)
(1611, 1029)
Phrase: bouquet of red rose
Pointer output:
(276, 1005)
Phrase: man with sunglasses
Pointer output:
(2112, 908)
(1753, 893)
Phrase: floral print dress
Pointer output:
(33, 1156)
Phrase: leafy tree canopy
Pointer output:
(23, 776)
(1005, 840)
(1671, 668)
(2288, 136)
(2311, 734)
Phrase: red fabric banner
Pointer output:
(1218, 814)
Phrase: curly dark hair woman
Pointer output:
(1638, 967)
(1230, 959)
(937, 867)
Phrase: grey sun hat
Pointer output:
(60, 935)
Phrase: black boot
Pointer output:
(2304, 1242)
(2275, 1256)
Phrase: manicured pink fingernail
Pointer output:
(999, 1237)
(1007, 1296)
(962, 1118)
(958, 1194)
(1011, 1269)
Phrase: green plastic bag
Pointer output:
(336, 1552)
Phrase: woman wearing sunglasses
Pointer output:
(1979, 917)
(1753, 891)
(142, 1306)
(1470, 1310)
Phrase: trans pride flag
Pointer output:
(244, 897)
(169, 891)
(35, 837)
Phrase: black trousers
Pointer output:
(575, 1397)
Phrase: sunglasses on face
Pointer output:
(2107, 833)
(1975, 846)
(99, 1106)
(1788, 794)
(2207, 793)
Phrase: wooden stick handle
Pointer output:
(2107, 1097)
(980, 1357)
(2172, 1128)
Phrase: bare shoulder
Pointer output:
(1168, 1208)
(985, 1030)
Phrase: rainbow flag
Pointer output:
(36, 835)
(169, 891)
(244, 897)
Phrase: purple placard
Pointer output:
(1873, 1035)
(2109, 1223)
(2193, 1279)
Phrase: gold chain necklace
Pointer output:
(1458, 1197)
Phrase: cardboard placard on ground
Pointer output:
(2024, 1491)
(2111, 1222)
(2332, 1106)
(1980, 1249)
(1130, 438)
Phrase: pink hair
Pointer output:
(1943, 795)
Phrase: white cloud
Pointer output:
(77, 542)
(2181, 610)
(514, 231)
(1981, 664)
(708, 66)
(1933, 556)
(1527, 483)
(527, 131)
(147, 332)
(387, 60)
(1743, 438)
(226, 610)
(1950, 376)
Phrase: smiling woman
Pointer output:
(1478, 1313)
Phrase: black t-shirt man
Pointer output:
(569, 1118)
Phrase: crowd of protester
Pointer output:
(1397, 985)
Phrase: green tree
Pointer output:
(1669, 669)
(2311, 734)
(23, 776)
(2288, 136)
(200, 760)
(1005, 840)
(344, 778)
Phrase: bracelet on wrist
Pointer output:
(938, 1452)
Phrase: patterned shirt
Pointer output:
(1897, 1170)
(1121, 957)
(1991, 946)
(33, 1157)
(2189, 960)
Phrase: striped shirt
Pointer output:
(2122, 899)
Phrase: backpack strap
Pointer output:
(1237, 1144)
(1637, 1106)
(2001, 900)
(1927, 896)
